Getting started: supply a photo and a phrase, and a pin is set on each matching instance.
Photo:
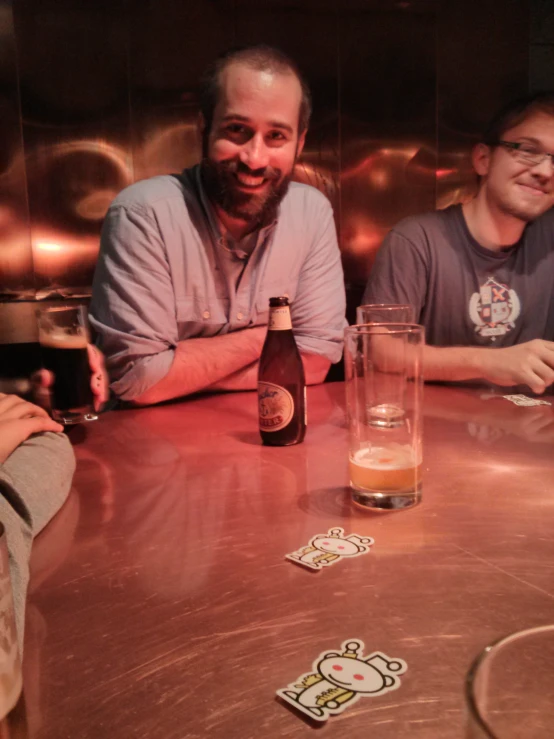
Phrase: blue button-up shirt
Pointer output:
(164, 276)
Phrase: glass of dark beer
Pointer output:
(63, 337)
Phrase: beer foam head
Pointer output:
(390, 457)
(60, 340)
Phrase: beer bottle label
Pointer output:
(279, 319)
(276, 406)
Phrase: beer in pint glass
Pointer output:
(63, 337)
(384, 396)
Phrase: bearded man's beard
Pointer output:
(222, 188)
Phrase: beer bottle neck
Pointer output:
(279, 319)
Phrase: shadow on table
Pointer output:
(248, 437)
(312, 723)
(333, 501)
(336, 502)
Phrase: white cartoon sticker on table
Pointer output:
(339, 679)
(525, 400)
(327, 549)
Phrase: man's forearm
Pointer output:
(315, 370)
(530, 363)
(451, 363)
(201, 363)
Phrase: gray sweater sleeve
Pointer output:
(34, 483)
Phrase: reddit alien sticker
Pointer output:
(327, 549)
(339, 679)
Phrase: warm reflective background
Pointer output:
(94, 96)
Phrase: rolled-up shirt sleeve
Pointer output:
(318, 311)
(133, 306)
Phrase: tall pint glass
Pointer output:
(384, 313)
(384, 392)
(509, 687)
(63, 337)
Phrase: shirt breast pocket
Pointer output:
(198, 318)
(273, 290)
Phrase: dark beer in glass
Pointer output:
(281, 382)
(63, 337)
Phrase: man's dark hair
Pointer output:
(259, 57)
(515, 113)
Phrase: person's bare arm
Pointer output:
(19, 420)
(201, 363)
(531, 364)
(315, 369)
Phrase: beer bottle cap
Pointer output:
(278, 302)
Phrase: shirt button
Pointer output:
(240, 316)
(206, 314)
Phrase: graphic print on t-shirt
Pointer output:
(494, 309)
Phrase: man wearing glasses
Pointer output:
(480, 276)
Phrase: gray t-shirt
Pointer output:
(164, 276)
(463, 293)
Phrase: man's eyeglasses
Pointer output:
(527, 153)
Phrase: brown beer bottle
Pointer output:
(281, 382)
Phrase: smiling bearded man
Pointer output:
(188, 262)
(480, 276)
(251, 140)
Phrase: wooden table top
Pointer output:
(162, 606)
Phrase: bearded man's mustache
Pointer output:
(234, 167)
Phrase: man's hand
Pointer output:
(18, 420)
(99, 383)
(531, 364)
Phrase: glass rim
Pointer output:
(479, 661)
(384, 306)
(394, 327)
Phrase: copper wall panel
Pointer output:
(482, 63)
(388, 112)
(74, 96)
(16, 264)
(170, 44)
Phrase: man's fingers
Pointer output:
(546, 354)
(42, 378)
(534, 381)
(543, 371)
(99, 378)
(42, 383)
(95, 359)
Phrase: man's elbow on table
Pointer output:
(144, 380)
(139, 391)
